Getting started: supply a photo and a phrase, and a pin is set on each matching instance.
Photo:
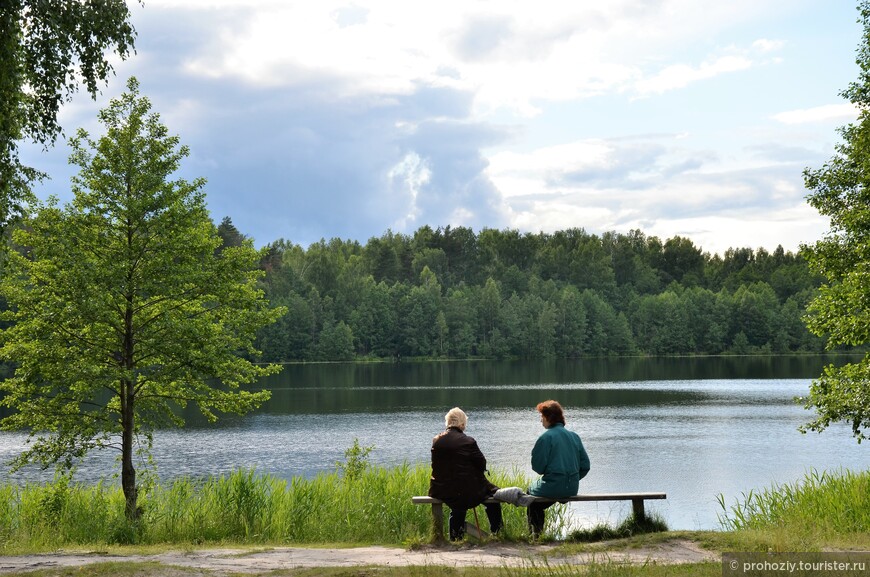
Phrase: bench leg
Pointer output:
(438, 521)
(637, 508)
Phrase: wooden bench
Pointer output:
(636, 499)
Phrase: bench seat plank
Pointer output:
(426, 500)
(636, 499)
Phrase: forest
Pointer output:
(453, 293)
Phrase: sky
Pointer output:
(314, 120)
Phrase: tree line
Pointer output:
(453, 293)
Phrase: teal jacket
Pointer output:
(561, 460)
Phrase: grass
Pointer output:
(371, 505)
(827, 509)
(363, 504)
(630, 527)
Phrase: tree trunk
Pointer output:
(128, 472)
(128, 392)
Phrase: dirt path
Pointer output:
(491, 555)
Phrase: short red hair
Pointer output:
(552, 411)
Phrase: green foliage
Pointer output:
(451, 293)
(47, 49)
(242, 507)
(356, 461)
(821, 508)
(121, 310)
(840, 190)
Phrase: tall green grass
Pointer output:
(372, 505)
(821, 509)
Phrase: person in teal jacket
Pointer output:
(560, 459)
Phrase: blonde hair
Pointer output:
(456, 417)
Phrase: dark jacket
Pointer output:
(458, 469)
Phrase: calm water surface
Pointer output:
(693, 428)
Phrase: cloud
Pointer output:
(735, 59)
(766, 45)
(640, 162)
(309, 158)
(776, 152)
(342, 118)
(481, 37)
(509, 54)
(714, 233)
(830, 112)
(350, 168)
(658, 183)
(681, 75)
(350, 15)
(407, 178)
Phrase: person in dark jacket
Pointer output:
(560, 459)
(458, 478)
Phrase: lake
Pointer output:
(691, 427)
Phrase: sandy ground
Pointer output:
(493, 555)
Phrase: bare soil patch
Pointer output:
(228, 561)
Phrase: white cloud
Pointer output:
(350, 116)
(553, 216)
(408, 177)
(734, 60)
(842, 112)
(681, 75)
(518, 174)
(660, 185)
(765, 45)
(511, 54)
(790, 227)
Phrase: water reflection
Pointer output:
(397, 387)
(554, 371)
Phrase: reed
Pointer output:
(822, 508)
(372, 505)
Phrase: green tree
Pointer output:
(419, 310)
(441, 330)
(335, 343)
(709, 318)
(682, 261)
(840, 190)
(489, 310)
(230, 235)
(47, 49)
(571, 324)
(291, 337)
(373, 322)
(662, 324)
(461, 317)
(755, 312)
(122, 311)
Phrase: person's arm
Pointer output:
(541, 455)
(582, 458)
(476, 456)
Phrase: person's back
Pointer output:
(458, 470)
(458, 478)
(561, 460)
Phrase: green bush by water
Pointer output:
(371, 506)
